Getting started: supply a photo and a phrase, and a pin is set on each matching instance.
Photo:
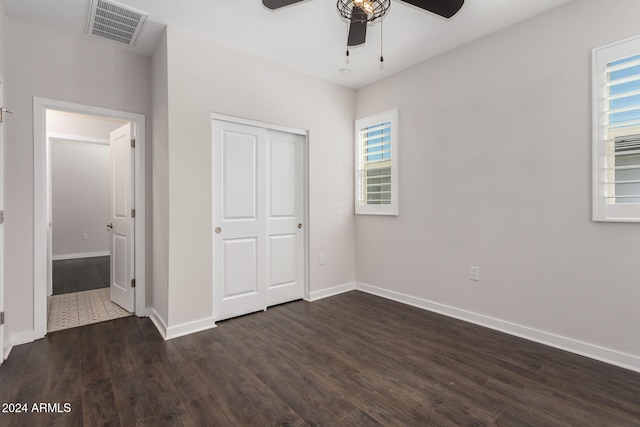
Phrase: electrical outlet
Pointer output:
(322, 259)
(474, 273)
(84, 236)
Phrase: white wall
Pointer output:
(4, 337)
(160, 161)
(495, 161)
(59, 122)
(46, 64)
(204, 78)
(80, 183)
(3, 39)
(80, 198)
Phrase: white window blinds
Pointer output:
(376, 164)
(623, 130)
(617, 132)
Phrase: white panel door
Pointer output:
(258, 248)
(285, 210)
(238, 209)
(122, 222)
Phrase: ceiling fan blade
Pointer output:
(277, 4)
(445, 8)
(357, 27)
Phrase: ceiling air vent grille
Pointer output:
(113, 21)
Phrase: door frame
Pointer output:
(40, 106)
(305, 189)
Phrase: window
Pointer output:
(377, 164)
(616, 134)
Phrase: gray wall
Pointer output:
(80, 183)
(5, 339)
(495, 161)
(46, 64)
(79, 198)
(3, 37)
(160, 162)
(204, 77)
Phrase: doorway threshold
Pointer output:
(81, 308)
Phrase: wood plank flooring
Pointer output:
(349, 360)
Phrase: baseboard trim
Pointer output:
(145, 313)
(5, 352)
(22, 338)
(571, 345)
(190, 328)
(329, 292)
(170, 332)
(80, 255)
(159, 322)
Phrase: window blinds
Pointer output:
(622, 130)
(374, 164)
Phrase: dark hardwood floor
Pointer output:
(349, 360)
(80, 274)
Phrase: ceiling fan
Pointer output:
(360, 12)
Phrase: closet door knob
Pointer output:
(218, 230)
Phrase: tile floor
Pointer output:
(81, 308)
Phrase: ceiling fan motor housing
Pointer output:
(363, 10)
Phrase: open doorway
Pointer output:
(79, 255)
(76, 149)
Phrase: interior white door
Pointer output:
(122, 222)
(285, 210)
(258, 248)
(240, 230)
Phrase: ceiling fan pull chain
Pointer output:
(347, 58)
(381, 57)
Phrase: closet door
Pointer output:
(239, 250)
(285, 210)
(258, 236)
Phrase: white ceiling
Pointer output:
(309, 36)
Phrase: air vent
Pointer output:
(113, 21)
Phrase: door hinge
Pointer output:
(133, 143)
(133, 213)
(1, 217)
(133, 283)
(2, 318)
(2, 113)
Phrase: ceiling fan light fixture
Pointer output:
(370, 10)
(365, 5)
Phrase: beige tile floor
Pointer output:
(81, 308)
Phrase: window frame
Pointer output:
(603, 211)
(392, 208)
